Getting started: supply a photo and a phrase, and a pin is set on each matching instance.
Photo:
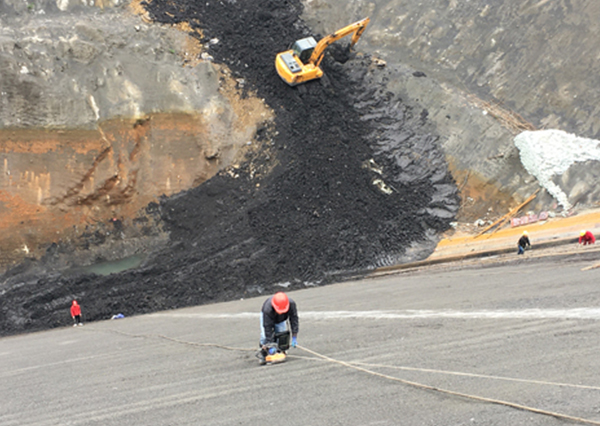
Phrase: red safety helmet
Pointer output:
(280, 302)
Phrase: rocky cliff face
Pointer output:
(101, 113)
(343, 178)
(489, 70)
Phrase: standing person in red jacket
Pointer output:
(586, 237)
(76, 313)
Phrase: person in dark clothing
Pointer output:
(523, 242)
(276, 312)
(76, 313)
(586, 237)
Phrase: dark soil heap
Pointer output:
(316, 216)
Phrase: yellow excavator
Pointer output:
(301, 62)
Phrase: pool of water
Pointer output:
(111, 267)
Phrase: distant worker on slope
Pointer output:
(76, 313)
(586, 237)
(524, 242)
(274, 333)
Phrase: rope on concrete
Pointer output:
(214, 345)
(449, 392)
(357, 367)
(183, 342)
(458, 373)
(480, 376)
(594, 266)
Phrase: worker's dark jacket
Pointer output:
(524, 241)
(270, 318)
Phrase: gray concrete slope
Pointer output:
(528, 321)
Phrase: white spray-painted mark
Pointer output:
(546, 153)
(576, 313)
(94, 106)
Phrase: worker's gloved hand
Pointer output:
(272, 351)
(294, 341)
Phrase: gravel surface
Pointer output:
(524, 333)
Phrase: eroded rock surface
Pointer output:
(349, 177)
(485, 71)
(102, 113)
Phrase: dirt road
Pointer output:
(519, 330)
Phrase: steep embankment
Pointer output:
(100, 114)
(350, 178)
(489, 71)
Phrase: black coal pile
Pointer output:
(355, 180)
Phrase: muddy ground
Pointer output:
(350, 178)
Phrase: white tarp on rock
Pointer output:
(546, 153)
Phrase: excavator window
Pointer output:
(304, 48)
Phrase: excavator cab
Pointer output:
(292, 61)
(304, 48)
(300, 63)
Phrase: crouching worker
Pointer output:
(276, 312)
(523, 242)
(586, 237)
(76, 313)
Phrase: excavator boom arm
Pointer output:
(356, 29)
(300, 63)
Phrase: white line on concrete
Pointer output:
(576, 313)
